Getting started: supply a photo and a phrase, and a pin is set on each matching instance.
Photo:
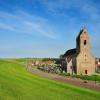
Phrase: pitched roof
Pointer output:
(70, 52)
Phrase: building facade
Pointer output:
(97, 62)
(80, 60)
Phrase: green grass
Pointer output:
(18, 84)
(90, 78)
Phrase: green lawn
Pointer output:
(90, 78)
(18, 84)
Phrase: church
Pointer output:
(80, 59)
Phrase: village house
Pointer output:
(97, 62)
(40, 62)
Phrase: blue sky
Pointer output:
(46, 28)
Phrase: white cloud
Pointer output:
(60, 7)
(87, 10)
(6, 27)
(26, 23)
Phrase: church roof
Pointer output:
(70, 52)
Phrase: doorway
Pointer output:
(86, 72)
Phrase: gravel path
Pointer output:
(65, 79)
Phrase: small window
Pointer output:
(84, 42)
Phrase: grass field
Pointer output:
(18, 84)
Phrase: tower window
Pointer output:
(84, 42)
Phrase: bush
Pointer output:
(98, 71)
(50, 68)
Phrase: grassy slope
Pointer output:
(17, 84)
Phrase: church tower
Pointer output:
(85, 62)
(83, 41)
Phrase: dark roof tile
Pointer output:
(70, 52)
